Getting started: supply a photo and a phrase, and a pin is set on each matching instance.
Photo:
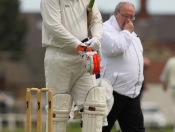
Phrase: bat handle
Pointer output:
(91, 3)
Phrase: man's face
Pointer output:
(127, 12)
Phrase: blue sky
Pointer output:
(154, 6)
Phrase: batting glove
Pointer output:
(94, 43)
(83, 48)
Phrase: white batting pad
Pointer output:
(94, 110)
(61, 108)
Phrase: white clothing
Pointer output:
(65, 23)
(65, 73)
(168, 77)
(122, 53)
(168, 73)
(64, 27)
(101, 82)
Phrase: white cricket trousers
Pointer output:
(65, 73)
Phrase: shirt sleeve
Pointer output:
(96, 23)
(114, 44)
(165, 73)
(51, 14)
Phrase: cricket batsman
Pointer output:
(70, 65)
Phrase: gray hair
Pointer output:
(120, 5)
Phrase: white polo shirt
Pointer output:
(65, 23)
(122, 54)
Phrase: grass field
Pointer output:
(75, 127)
(71, 127)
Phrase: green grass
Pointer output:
(71, 127)
(75, 127)
(167, 129)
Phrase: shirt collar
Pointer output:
(114, 23)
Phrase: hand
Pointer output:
(94, 43)
(83, 48)
(129, 26)
(165, 86)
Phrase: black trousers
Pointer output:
(128, 113)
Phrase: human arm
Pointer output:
(96, 23)
(129, 26)
(115, 43)
(164, 77)
(53, 28)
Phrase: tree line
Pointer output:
(13, 29)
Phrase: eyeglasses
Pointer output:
(127, 17)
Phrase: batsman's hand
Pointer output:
(83, 48)
(94, 43)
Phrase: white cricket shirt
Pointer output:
(65, 23)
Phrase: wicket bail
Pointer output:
(39, 109)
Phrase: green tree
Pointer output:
(13, 29)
